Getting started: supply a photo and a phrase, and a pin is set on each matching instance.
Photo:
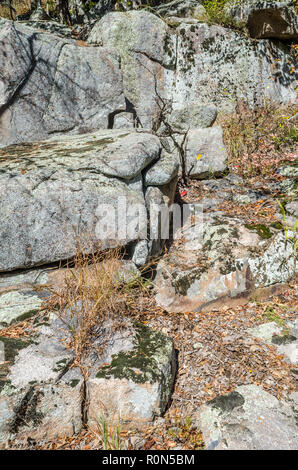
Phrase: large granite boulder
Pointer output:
(136, 382)
(284, 338)
(249, 419)
(56, 192)
(147, 51)
(267, 19)
(51, 85)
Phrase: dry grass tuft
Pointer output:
(95, 292)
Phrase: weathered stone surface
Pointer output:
(86, 93)
(147, 51)
(88, 13)
(44, 411)
(44, 360)
(292, 208)
(221, 260)
(52, 85)
(267, 19)
(194, 63)
(140, 253)
(265, 331)
(205, 152)
(53, 196)
(39, 397)
(248, 419)
(39, 14)
(18, 305)
(24, 279)
(135, 384)
(290, 170)
(124, 121)
(225, 66)
(159, 199)
(43, 397)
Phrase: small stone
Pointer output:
(265, 331)
(205, 152)
(140, 253)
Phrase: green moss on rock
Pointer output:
(11, 348)
(262, 230)
(143, 363)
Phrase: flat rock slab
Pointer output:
(26, 278)
(163, 172)
(205, 152)
(55, 191)
(248, 419)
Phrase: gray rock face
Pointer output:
(88, 12)
(38, 397)
(49, 26)
(147, 51)
(194, 63)
(140, 253)
(124, 121)
(267, 19)
(39, 14)
(248, 419)
(54, 85)
(164, 171)
(51, 85)
(292, 208)
(226, 66)
(205, 152)
(220, 260)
